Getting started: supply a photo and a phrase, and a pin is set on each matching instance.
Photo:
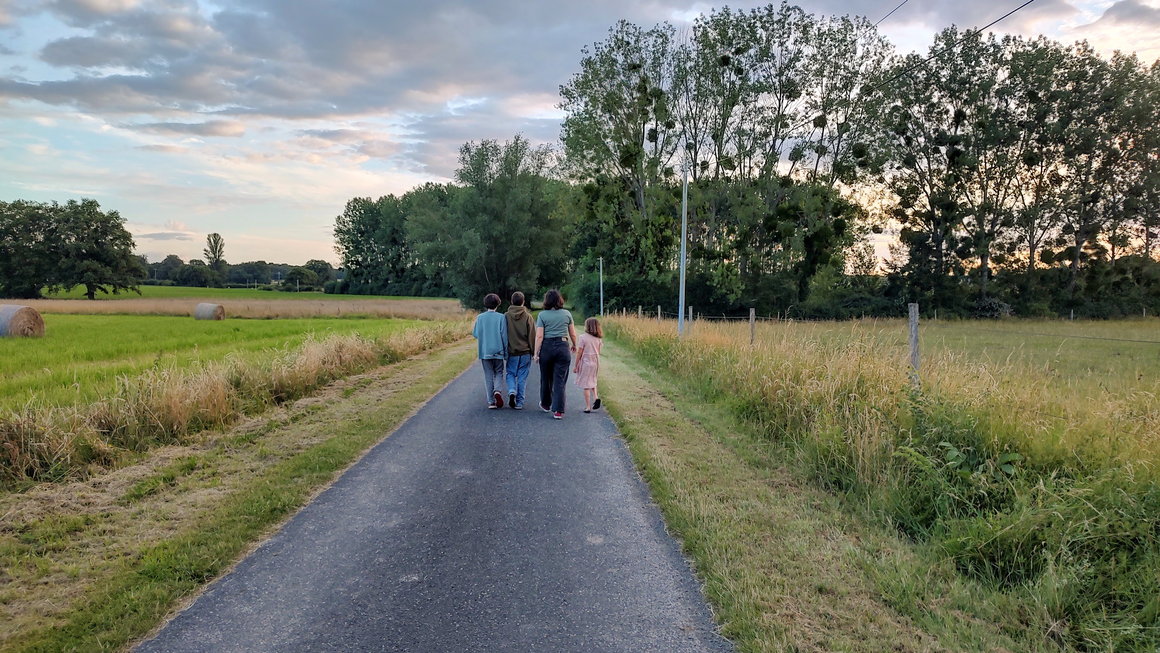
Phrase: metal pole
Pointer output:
(752, 325)
(914, 346)
(601, 286)
(689, 326)
(684, 238)
(658, 313)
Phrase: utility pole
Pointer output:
(684, 237)
(601, 286)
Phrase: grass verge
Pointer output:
(130, 548)
(786, 565)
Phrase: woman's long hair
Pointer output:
(553, 300)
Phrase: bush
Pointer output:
(991, 308)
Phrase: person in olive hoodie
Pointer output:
(521, 334)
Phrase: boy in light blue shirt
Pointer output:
(491, 331)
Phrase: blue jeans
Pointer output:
(517, 376)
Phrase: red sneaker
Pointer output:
(558, 416)
(498, 400)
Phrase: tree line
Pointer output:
(50, 247)
(1013, 174)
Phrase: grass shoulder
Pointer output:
(786, 565)
(97, 564)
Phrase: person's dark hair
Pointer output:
(592, 327)
(517, 298)
(553, 300)
(491, 301)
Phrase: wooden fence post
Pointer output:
(639, 311)
(689, 322)
(658, 314)
(752, 325)
(914, 379)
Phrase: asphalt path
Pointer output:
(467, 530)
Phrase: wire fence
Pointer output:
(965, 328)
(953, 325)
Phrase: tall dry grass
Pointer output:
(166, 405)
(1043, 488)
(412, 309)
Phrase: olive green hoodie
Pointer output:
(521, 331)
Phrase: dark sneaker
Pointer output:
(512, 399)
(545, 408)
(596, 404)
(518, 406)
(498, 400)
(557, 415)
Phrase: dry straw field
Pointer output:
(260, 308)
(1027, 459)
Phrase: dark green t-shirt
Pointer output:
(555, 322)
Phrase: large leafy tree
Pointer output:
(371, 239)
(30, 247)
(97, 250)
(496, 230)
(63, 246)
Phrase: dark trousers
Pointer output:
(555, 363)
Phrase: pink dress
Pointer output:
(589, 361)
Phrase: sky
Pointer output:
(258, 119)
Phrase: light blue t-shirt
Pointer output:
(554, 322)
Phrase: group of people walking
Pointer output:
(509, 343)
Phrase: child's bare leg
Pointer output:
(587, 398)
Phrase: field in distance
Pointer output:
(81, 356)
(255, 304)
(1124, 353)
(188, 292)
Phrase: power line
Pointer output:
(957, 41)
(891, 12)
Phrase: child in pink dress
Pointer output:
(588, 362)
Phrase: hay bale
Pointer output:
(20, 321)
(209, 312)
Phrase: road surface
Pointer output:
(467, 530)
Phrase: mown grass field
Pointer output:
(1026, 465)
(183, 292)
(81, 356)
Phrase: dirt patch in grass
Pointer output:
(784, 566)
(70, 554)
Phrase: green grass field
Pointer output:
(183, 292)
(82, 355)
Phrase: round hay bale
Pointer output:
(209, 312)
(20, 321)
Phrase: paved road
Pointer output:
(466, 530)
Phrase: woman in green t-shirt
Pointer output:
(555, 342)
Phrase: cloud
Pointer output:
(165, 149)
(225, 128)
(1131, 13)
(164, 235)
